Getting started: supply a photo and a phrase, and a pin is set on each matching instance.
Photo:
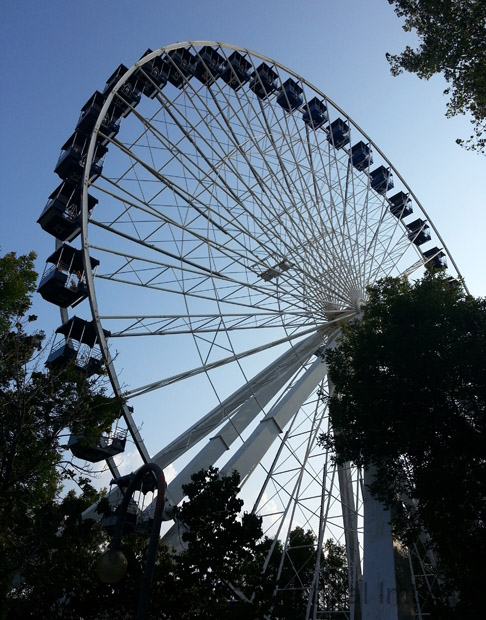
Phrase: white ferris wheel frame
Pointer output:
(246, 403)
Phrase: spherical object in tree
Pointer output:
(111, 566)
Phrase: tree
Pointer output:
(293, 568)
(410, 399)
(220, 568)
(452, 42)
(17, 283)
(61, 570)
(334, 579)
(293, 571)
(225, 554)
(37, 409)
(48, 552)
(217, 574)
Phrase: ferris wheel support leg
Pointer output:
(244, 416)
(272, 425)
(384, 592)
(350, 520)
(296, 357)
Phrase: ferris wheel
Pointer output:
(223, 217)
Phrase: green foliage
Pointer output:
(65, 556)
(219, 558)
(452, 42)
(410, 398)
(295, 567)
(17, 283)
(220, 552)
(37, 411)
(218, 573)
(333, 578)
(48, 552)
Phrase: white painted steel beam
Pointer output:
(243, 417)
(379, 596)
(273, 424)
(270, 427)
(350, 520)
(292, 359)
(240, 408)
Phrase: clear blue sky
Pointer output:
(55, 53)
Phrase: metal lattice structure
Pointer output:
(229, 217)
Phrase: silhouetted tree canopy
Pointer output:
(410, 399)
(453, 43)
(48, 552)
(38, 410)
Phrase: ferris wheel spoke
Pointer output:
(361, 220)
(264, 159)
(207, 295)
(274, 422)
(391, 258)
(378, 229)
(263, 185)
(214, 166)
(174, 266)
(361, 195)
(299, 166)
(157, 325)
(318, 337)
(322, 204)
(291, 209)
(230, 432)
(250, 393)
(220, 248)
(197, 268)
(343, 252)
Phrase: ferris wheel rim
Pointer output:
(334, 316)
(86, 184)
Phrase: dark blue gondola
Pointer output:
(128, 95)
(78, 345)
(72, 161)
(381, 180)
(291, 95)
(400, 205)
(419, 232)
(111, 82)
(63, 282)
(315, 113)
(236, 71)
(151, 77)
(263, 81)
(361, 156)
(338, 133)
(146, 484)
(61, 216)
(132, 516)
(89, 115)
(179, 66)
(208, 65)
(435, 259)
(99, 447)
